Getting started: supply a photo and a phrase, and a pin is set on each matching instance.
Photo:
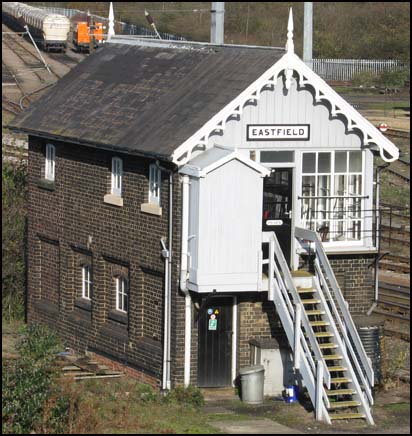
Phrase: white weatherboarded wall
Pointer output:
(225, 210)
(295, 106)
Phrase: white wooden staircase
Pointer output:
(328, 353)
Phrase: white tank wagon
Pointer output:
(49, 30)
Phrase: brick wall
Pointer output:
(70, 223)
(356, 280)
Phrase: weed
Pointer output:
(32, 400)
(190, 396)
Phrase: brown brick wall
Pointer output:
(71, 221)
(73, 218)
(355, 278)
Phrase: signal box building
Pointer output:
(193, 206)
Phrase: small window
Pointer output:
(277, 156)
(122, 294)
(50, 162)
(155, 175)
(86, 281)
(117, 175)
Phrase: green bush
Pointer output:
(386, 79)
(146, 394)
(394, 79)
(32, 401)
(366, 79)
(14, 205)
(190, 396)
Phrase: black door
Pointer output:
(277, 205)
(215, 343)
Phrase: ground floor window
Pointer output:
(122, 294)
(86, 281)
(332, 201)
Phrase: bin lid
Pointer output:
(251, 369)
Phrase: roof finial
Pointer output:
(290, 47)
(110, 32)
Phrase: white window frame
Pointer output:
(122, 293)
(155, 180)
(87, 281)
(333, 174)
(117, 176)
(50, 164)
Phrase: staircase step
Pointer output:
(315, 312)
(336, 368)
(306, 290)
(336, 416)
(311, 301)
(324, 335)
(327, 346)
(332, 357)
(340, 380)
(343, 404)
(333, 392)
(319, 323)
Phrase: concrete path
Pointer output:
(253, 426)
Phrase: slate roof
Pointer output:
(142, 99)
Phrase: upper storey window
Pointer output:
(155, 175)
(332, 194)
(49, 173)
(117, 176)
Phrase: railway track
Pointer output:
(396, 133)
(25, 55)
(394, 305)
(395, 263)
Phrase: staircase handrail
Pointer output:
(286, 279)
(312, 236)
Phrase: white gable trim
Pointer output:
(289, 63)
(193, 170)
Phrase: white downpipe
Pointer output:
(298, 320)
(183, 279)
(165, 378)
(234, 339)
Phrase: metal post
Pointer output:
(319, 385)
(308, 34)
(298, 319)
(38, 51)
(271, 270)
(217, 23)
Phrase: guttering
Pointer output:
(94, 144)
(184, 276)
(167, 254)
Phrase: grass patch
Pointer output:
(125, 406)
(32, 400)
(398, 407)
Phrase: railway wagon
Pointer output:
(86, 32)
(50, 31)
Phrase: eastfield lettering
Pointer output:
(277, 132)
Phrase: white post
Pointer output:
(298, 320)
(188, 338)
(217, 23)
(234, 339)
(308, 34)
(319, 386)
(110, 31)
(271, 270)
(183, 279)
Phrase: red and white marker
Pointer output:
(383, 127)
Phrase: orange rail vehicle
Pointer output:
(87, 33)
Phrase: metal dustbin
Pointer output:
(251, 384)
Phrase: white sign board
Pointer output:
(278, 132)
